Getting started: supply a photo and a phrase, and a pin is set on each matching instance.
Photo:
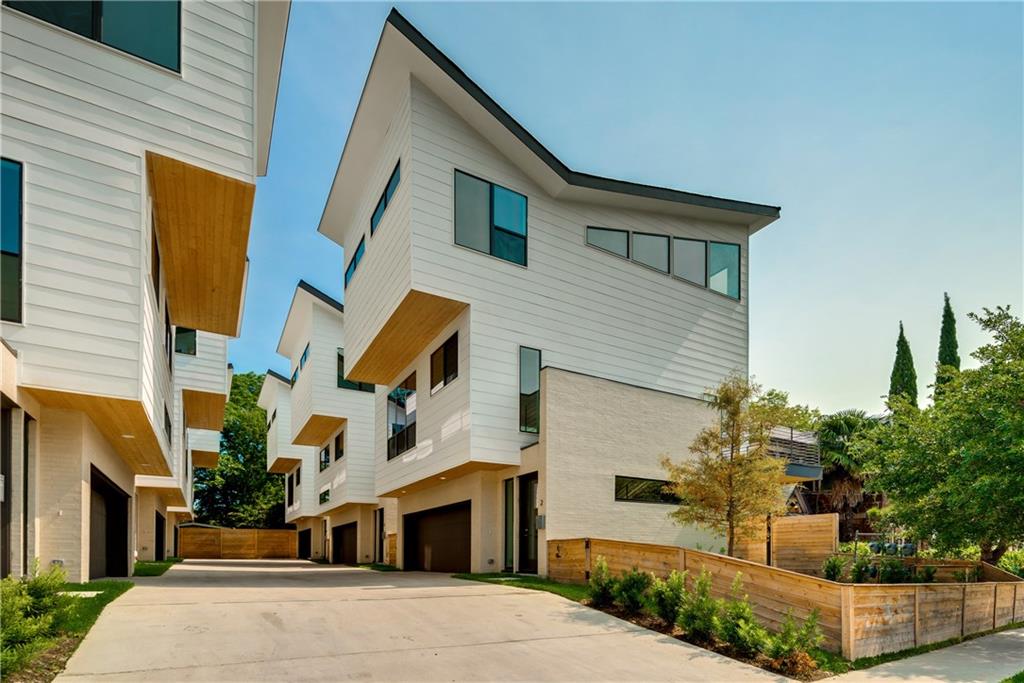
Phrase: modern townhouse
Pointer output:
(542, 336)
(328, 455)
(132, 136)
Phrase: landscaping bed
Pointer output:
(42, 622)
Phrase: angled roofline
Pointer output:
(326, 298)
(278, 376)
(571, 177)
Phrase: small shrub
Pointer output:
(926, 573)
(1013, 562)
(630, 591)
(790, 648)
(31, 610)
(700, 614)
(602, 583)
(833, 568)
(46, 591)
(737, 624)
(852, 547)
(666, 596)
(892, 571)
(861, 570)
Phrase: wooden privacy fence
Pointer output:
(859, 620)
(197, 542)
(802, 543)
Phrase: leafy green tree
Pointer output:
(903, 381)
(954, 473)
(949, 358)
(240, 492)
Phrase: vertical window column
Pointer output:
(529, 390)
(11, 240)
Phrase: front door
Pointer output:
(528, 523)
(378, 548)
(343, 543)
(160, 526)
(305, 543)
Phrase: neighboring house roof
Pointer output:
(298, 317)
(278, 376)
(330, 301)
(403, 51)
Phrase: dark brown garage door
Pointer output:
(343, 543)
(437, 540)
(108, 527)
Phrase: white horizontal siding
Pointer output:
(588, 311)
(207, 369)
(383, 276)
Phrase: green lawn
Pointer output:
(87, 610)
(572, 591)
(154, 568)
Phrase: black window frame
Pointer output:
(448, 355)
(339, 445)
(19, 257)
(304, 358)
(385, 197)
(629, 241)
(493, 227)
(96, 32)
(353, 264)
(168, 338)
(739, 269)
(347, 383)
(270, 422)
(660, 497)
(526, 399)
(290, 490)
(298, 475)
(295, 376)
(681, 278)
(179, 333)
(325, 457)
(325, 496)
(668, 251)
(167, 426)
(404, 439)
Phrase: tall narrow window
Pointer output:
(154, 263)
(325, 458)
(168, 337)
(689, 260)
(291, 491)
(444, 364)
(167, 426)
(651, 250)
(724, 268)
(402, 417)
(606, 239)
(325, 496)
(349, 384)
(10, 241)
(304, 357)
(298, 475)
(529, 390)
(295, 377)
(354, 263)
(185, 341)
(510, 524)
(385, 198)
(149, 29)
(490, 218)
(339, 445)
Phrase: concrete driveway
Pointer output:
(296, 621)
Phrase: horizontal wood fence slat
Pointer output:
(236, 544)
(859, 620)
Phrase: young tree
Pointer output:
(903, 380)
(949, 358)
(954, 472)
(733, 484)
(240, 492)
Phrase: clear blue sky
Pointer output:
(890, 134)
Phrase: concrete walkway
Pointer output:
(298, 621)
(988, 659)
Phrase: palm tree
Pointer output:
(842, 484)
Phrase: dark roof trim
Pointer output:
(330, 301)
(278, 376)
(570, 176)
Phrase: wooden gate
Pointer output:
(200, 542)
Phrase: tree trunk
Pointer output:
(992, 554)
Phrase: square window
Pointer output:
(651, 250)
(689, 260)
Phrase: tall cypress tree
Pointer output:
(947, 343)
(903, 379)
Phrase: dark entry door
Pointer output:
(378, 545)
(305, 543)
(108, 527)
(528, 523)
(159, 529)
(438, 540)
(343, 543)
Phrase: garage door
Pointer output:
(108, 527)
(343, 543)
(305, 544)
(437, 540)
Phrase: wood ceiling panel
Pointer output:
(204, 409)
(283, 465)
(414, 324)
(318, 430)
(123, 422)
(202, 223)
(205, 459)
(442, 477)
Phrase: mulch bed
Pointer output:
(45, 666)
(655, 624)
